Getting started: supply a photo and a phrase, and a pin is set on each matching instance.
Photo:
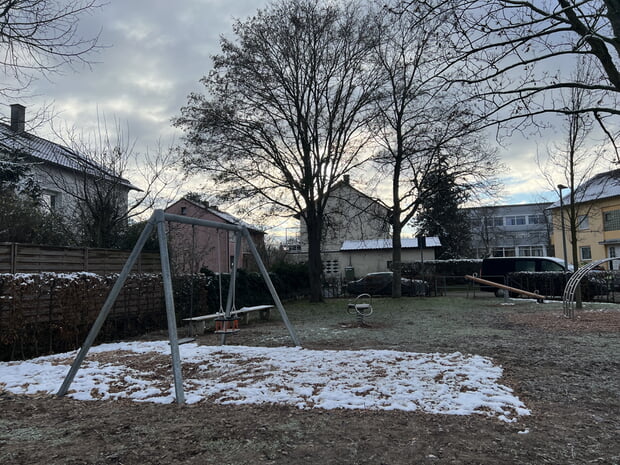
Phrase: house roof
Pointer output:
(51, 152)
(347, 184)
(227, 217)
(382, 244)
(601, 186)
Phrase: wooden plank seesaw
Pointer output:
(536, 296)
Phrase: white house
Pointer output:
(357, 238)
(61, 173)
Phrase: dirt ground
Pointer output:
(567, 372)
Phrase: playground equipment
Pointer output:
(157, 222)
(568, 298)
(539, 298)
(361, 307)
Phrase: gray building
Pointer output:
(510, 230)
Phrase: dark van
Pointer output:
(496, 268)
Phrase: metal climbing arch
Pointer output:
(568, 298)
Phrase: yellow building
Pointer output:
(597, 218)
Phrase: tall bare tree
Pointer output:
(38, 37)
(286, 109)
(421, 122)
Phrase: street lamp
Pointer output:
(560, 188)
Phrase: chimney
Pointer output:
(346, 179)
(18, 117)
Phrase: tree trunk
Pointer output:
(396, 255)
(315, 264)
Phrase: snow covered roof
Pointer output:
(51, 152)
(380, 244)
(602, 186)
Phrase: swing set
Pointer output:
(228, 321)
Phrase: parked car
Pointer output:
(497, 268)
(381, 284)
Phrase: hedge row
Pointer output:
(50, 312)
(446, 268)
(596, 285)
(289, 280)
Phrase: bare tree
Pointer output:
(285, 113)
(518, 55)
(486, 229)
(421, 122)
(38, 37)
(573, 161)
(102, 199)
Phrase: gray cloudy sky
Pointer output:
(155, 53)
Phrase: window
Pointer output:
(547, 265)
(611, 220)
(50, 201)
(183, 210)
(531, 251)
(494, 221)
(515, 220)
(503, 252)
(583, 222)
(536, 219)
(525, 265)
(586, 253)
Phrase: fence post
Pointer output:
(86, 264)
(13, 258)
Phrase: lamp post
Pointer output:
(560, 188)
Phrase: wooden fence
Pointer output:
(28, 258)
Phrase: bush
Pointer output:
(52, 312)
(293, 279)
(552, 284)
(289, 280)
(456, 267)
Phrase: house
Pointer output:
(510, 230)
(597, 218)
(61, 173)
(368, 256)
(196, 247)
(356, 237)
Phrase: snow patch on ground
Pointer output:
(453, 384)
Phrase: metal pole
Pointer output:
(560, 187)
(169, 298)
(270, 286)
(107, 306)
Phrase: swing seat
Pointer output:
(226, 325)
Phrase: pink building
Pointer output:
(194, 247)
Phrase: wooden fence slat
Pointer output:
(30, 258)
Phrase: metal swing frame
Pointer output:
(157, 222)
